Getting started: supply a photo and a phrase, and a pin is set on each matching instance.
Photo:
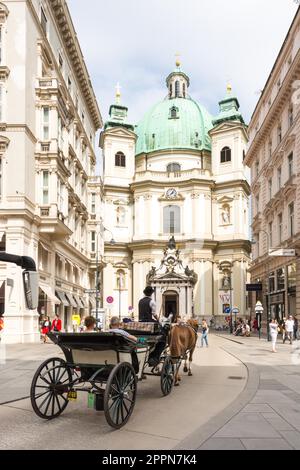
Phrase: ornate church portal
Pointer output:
(174, 285)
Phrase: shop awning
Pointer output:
(92, 302)
(50, 294)
(83, 303)
(62, 296)
(71, 300)
(77, 300)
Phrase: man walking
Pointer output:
(289, 326)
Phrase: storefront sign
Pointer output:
(254, 287)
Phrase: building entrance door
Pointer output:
(171, 305)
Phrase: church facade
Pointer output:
(177, 198)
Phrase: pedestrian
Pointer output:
(295, 328)
(283, 329)
(205, 331)
(56, 324)
(255, 325)
(90, 324)
(274, 333)
(46, 327)
(289, 326)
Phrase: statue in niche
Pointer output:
(226, 282)
(121, 215)
(225, 214)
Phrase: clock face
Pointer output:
(171, 193)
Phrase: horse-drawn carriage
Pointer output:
(105, 365)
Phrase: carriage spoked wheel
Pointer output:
(50, 387)
(120, 395)
(167, 376)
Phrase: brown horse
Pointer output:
(182, 343)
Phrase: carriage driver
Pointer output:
(147, 307)
(147, 313)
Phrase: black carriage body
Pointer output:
(80, 349)
(110, 362)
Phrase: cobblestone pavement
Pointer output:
(267, 414)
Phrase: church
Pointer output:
(177, 201)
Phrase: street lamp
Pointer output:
(269, 248)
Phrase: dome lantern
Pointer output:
(178, 82)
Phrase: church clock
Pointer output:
(171, 193)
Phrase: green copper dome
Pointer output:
(178, 123)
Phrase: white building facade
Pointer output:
(50, 200)
(179, 174)
(274, 160)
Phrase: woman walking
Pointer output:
(205, 330)
(274, 333)
(46, 327)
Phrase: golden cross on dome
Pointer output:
(118, 93)
(229, 87)
(178, 61)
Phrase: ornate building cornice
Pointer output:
(64, 23)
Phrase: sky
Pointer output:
(134, 42)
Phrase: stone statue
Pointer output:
(188, 272)
(226, 282)
(226, 215)
(151, 275)
(172, 243)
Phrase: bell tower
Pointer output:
(118, 144)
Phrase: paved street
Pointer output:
(156, 423)
(241, 397)
(267, 414)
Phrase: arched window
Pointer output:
(177, 89)
(120, 159)
(184, 90)
(172, 220)
(174, 112)
(226, 155)
(173, 168)
(171, 90)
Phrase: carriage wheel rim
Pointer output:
(49, 402)
(120, 395)
(167, 377)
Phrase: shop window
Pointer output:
(281, 279)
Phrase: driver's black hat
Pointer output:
(148, 291)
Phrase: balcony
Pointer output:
(45, 147)
(172, 177)
(45, 83)
(52, 222)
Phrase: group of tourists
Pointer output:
(47, 326)
(242, 328)
(287, 327)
